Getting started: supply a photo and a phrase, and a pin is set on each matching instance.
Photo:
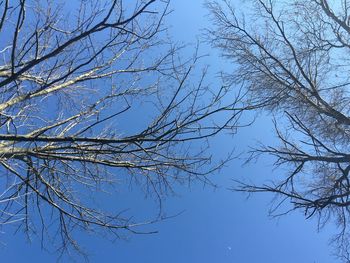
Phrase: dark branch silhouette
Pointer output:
(93, 93)
(292, 60)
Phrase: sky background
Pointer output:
(216, 225)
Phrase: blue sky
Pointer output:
(216, 225)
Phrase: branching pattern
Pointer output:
(77, 81)
(292, 58)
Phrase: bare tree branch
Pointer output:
(92, 97)
(292, 59)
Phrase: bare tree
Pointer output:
(77, 83)
(292, 59)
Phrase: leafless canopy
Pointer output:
(92, 95)
(293, 59)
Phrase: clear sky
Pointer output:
(216, 225)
